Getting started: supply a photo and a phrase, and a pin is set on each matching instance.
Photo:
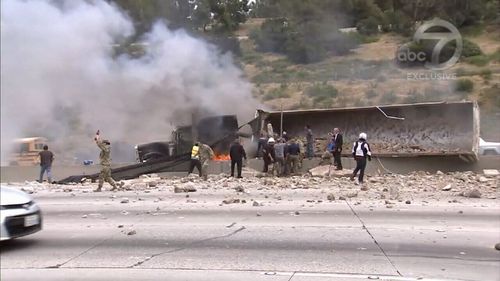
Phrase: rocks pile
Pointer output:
(333, 185)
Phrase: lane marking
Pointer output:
(374, 240)
(358, 276)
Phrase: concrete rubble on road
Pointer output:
(336, 185)
(472, 193)
(491, 173)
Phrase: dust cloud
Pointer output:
(60, 78)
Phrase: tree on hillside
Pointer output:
(266, 9)
(220, 16)
(214, 20)
(306, 32)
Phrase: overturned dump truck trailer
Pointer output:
(406, 130)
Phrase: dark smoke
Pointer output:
(60, 78)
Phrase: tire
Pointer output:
(490, 152)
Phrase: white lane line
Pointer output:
(359, 276)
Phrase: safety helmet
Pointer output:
(362, 136)
(270, 140)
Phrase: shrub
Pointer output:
(461, 72)
(480, 60)
(276, 93)
(368, 26)
(262, 77)
(302, 75)
(321, 93)
(472, 30)
(489, 99)
(370, 94)
(432, 94)
(225, 44)
(486, 73)
(470, 49)
(413, 96)
(251, 58)
(399, 22)
(416, 98)
(368, 72)
(381, 78)
(495, 57)
(301, 52)
(360, 103)
(271, 36)
(340, 44)
(388, 98)
(464, 85)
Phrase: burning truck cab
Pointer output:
(216, 131)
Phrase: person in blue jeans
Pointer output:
(46, 159)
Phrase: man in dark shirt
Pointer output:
(46, 158)
(285, 136)
(261, 144)
(237, 153)
(337, 138)
(309, 142)
(293, 152)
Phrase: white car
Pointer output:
(20, 215)
(488, 148)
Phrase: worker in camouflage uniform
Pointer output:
(105, 159)
(206, 154)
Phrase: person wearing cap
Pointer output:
(268, 155)
(361, 151)
(105, 160)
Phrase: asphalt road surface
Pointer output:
(163, 235)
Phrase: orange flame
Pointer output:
(222, 157)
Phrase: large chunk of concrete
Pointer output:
(327, 170)
(491, 172)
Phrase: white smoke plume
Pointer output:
(59, 78)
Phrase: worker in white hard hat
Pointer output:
(268, 154)
(361, 151)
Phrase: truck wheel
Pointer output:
(490, 152)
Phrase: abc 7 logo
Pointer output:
(405, 55)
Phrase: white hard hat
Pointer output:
(362, 136)
(270, 140)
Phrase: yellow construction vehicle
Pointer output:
(25, 151)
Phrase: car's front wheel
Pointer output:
(490, 152)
